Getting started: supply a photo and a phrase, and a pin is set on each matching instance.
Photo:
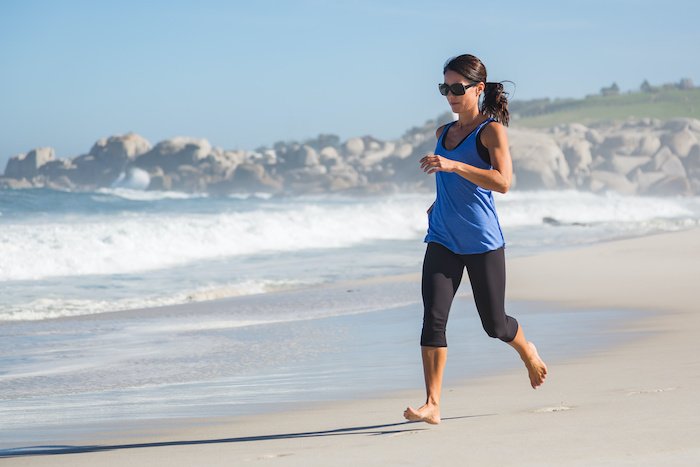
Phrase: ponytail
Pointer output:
(495, 103)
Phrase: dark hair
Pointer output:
(495, 102)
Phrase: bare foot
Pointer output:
(426, 413)
(536, 368)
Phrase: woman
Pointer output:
(471, 160)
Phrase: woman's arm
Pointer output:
(495, 139)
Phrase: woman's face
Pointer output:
(469, 100)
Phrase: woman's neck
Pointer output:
(467, 119)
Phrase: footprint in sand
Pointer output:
(558, 408)
(274, 456)
(650, 391)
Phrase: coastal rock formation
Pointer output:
(116, 151)
(25, 166)
(172, 153)
(642, 156)
(539, 160)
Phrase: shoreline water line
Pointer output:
(353, 356)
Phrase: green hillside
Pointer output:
(662, 104)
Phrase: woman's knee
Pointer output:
(434, 326)
(503, 330)
(433, 337)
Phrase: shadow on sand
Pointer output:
(372, 430)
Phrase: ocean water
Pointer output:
(107, 307)
(66, 254)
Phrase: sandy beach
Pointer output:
(632, 404)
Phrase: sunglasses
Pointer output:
(458, 89)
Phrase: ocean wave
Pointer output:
(139, 195)
(135, 242)
(527, 208)
(123, 242)
(54, 307)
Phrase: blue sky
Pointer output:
(245, 74)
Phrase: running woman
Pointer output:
(471, 160)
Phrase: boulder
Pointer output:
(172, 153)
(160, 182)
(678, 124)
(27, 165)
(14, 183)
(692, 168)
(329, 157)
(88, 172)
(403, 150)
(189, 179)
(644, 180)
(247, 178)
(376, 153)
(665, 161)
(670, 185)
(223, 162)
(602, 180)
(537, 160)
(269, 157)
(620, 143)
(694, 125)
(578, 155)
(626, 164)
(57, 168)
(61, 182)
(354, 146)
(300, 156)
(594, 136)
(680, 142)
(117, 151)
(648, 145)
(342, 177)
(576, 129)
(305, 174)
(85, 170)
(692, 161)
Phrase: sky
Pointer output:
(244, 74)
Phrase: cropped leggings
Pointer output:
(442, 274)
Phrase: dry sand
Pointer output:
(633, 404)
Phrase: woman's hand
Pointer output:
(431, 163)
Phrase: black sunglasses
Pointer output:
(458, 89)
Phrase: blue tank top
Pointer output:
(463, 218)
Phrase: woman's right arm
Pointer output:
(438, 132)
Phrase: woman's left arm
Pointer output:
(498, 178)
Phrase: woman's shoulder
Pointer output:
(439, 131)
(489, 122)
(492, 131)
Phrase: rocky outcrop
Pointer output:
(540, 162)
(117, 151)
(26, 166)
(172, 153)
(644, 156)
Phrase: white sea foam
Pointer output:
(133, 242)
(57, 307)
(529, 208)
(139, 195)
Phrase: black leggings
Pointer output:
(442, 273)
